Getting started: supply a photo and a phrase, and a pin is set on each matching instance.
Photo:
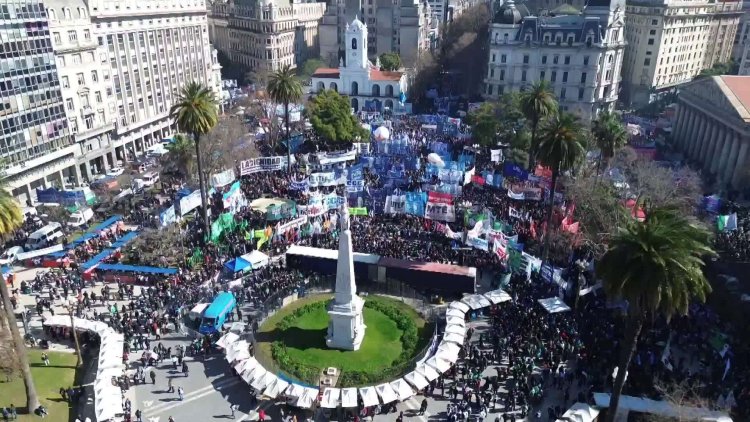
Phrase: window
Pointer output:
(94, 76)
(562, 93)
(553, 76)
(58, 39)
(61, 60)
(354, 43)
(72, 35)
(523, 76)
(65, 82)
(525, 59)
(69, 103)
(76, 59)
(556, 59)
(503, 58)
(98, 96)
(493, 57)
(652, 32)
(87, 35)
(81, 80)
(565, 77)
(580, 93)
(489, 89)
(583, 77)
(492, 72)
(585, 60)
(541, 75)
(544, 59)
(654, 22)
(502, 74)
(650, 41)
(567, 59)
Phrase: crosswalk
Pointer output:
(154, 409)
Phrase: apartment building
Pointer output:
(580, 55)
(35, 144)
(406, 27)
(264, 36)
(671, 41)
(743, 33)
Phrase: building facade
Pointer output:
(579, 55)
(670, 42)
(713, 127)
(368, 87)
(406, 27)
(265, 36)
(745, 61)
(35, 143)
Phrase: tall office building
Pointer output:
(580, 55)
(671, 41)
(742, 39)
(35, 143)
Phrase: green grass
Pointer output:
(48, 380)
(305, 338)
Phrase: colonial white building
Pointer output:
(368, 87)
(579, 55)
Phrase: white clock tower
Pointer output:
(356, 45)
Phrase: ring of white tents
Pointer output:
(108, 397)
(427, 370)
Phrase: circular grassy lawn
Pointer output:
(293, 341)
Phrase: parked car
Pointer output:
(115, 171)
(80, 217)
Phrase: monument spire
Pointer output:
(346, 287)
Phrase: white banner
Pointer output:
(319, 205)
(326, 179)
(189, 203)
(395, 204)
(478, 243)
(354, 186)
(257, 165)
(440, 207)
(297, 222)
(336, 157)
(468, 175)
(222, 179)
(496, 155)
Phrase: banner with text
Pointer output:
(258, 165)
(440, 207)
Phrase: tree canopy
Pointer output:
(332, 118)
(390, 61)
(308, 68)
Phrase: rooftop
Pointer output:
(740, 87)
(326, 72)
(383, 75)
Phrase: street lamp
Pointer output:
(75, 334)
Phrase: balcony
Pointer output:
(77, 45)
(82, 135)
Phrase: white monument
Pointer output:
(346, 329)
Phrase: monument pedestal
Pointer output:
(346, 328)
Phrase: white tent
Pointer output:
(454, 338)
(580, 412)
(386, 393)
(441, 365)
(330, 398)
(417, 380)
(455, 313)
(402, 389)
(451, 320)
(428, 372)
(308, 397)
(259, 377)
(369, 396)
(460, 306)
(248, 375)
(348, 397)
(276, 388)
(246, 365)
(260, 383)
(295, 390)
(257, 259)
(227, 340)
(498, 296)
(554, 305)
(456, 329)
(476, 301)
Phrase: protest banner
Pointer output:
(440, 207)
(262, 164)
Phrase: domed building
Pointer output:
(579, 53)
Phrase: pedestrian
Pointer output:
(45, 359)
(174, 362)
(138, 415)
(185, 368)
(170, 387)
(400, 417)
(261, 415)
(422, 407)
(233, 408)
(171, 419)
(180, 392)
(153, 377)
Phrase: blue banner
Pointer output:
(302, 185)
(514, 170)
(439, 148)
(415, 203)
(493, 179)
(356, 172)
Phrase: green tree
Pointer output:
(484, 124)
(308, 68)
(537, 104)
(657, 267)
(332, 118)
(729, 68)
(195, 112)
(560, 149)
(284, 88)
(609, 135)
(390, 61)
(10, 219)
(180, 157)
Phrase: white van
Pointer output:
(10, 255)
(46, 236)
(80, 217)
(150, 179)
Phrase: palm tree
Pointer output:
(657, 267)
(561, 149)
(609, 135)
(285, 88)
(10, 219)
(195, 112)
(537, 104)
(181, 156)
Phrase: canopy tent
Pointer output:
(460, 306)
(308, 397)
(402, 389)
(417, 380)
(276, 388)
(447, 352)
(227, 339)
(455, 321)
(476, 301)
(456, 329)
(580, 412)
(455, 313)
(259, 379)
(248, 373)
(246, 365)
(662, 408)
(295, 390)
(428, 372)
(348, 397)
(386, 393)
(454, 338)
(369, 396)
(554, 305)
(257, 259)
(237, 264)
(440, 364)
(498, 296)
(330, 399)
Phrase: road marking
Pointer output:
(156, 419)
(194, 395)
(148, 403)
(413, 404)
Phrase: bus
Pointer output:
(216, 314)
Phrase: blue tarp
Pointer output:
(101, 256)
(237, 264)
(87, 236)
(106, 223)
(125, 239)
(137, 269)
